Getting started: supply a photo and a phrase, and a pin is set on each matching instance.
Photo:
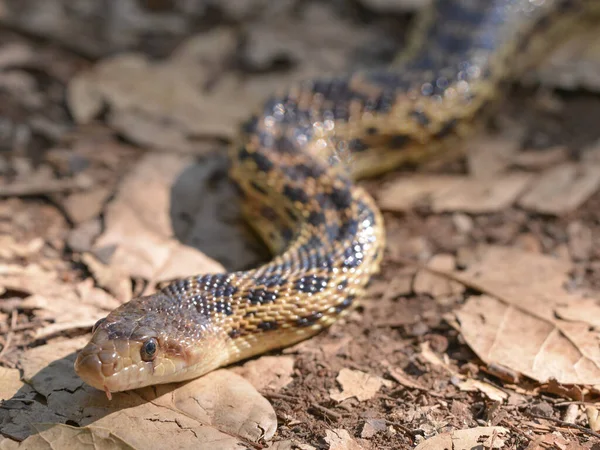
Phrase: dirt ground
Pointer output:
(481, 331)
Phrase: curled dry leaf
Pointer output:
(270, 373)
(479, 437)
(491, 392)
(219, 410)
(340, 439)
(357, 384)
(518, 322)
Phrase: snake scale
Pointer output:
(295, 164)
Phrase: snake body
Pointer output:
(295, 164)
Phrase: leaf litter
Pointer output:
(45, 308)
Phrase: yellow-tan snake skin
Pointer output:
(291, 165)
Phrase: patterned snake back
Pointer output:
(294, 165)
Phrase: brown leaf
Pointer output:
(66, 305)
(562, 189)
(482, 195)
(138, 225)
(490, 155)
(485, 437)
(340, 439)
(52, 437)
(357, 384)
(220, 409)
(10, 382)
(268, 372)
(426, 282)
(491, 392)
(515, 323)
(454, 193)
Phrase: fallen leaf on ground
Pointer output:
(52, 437)
(401, 377)
(357, 384)
(426, 282)
(10, 382)
(268, 372)
(373, 426)
(220, 409)
(290, 445)
(65, 305)
(454, 193)
(482, 195)
(488, 155)
(593, 417)
(340, 439)
(554, 440)
(515, 323)
(491, 392)
(562, 188)
(138, 225)
(479, 437)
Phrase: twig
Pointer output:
(21, 189)
(7, 343)
(562, 423)
(327, 412)
(288, 398)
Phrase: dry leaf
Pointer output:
(220, 409)
(401, 377)
(53, 437)
(290, 445)
(401, 194)
(482, 195)
(426, 282)
(491, 392)
(372, 426)
(515, 324)
(357, 384)
(554, 440)
(593, 417)
(138, 225)
(479, 437)
(66, 305)
(340, 439)
(454, 193)
(562, 189)
(268, 372)
(10, 382)
(488, 155)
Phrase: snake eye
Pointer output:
(97, 324)
(149, 348)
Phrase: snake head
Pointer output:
(149, 341)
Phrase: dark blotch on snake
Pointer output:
(261, 296)
(295, 194)
(267, 325)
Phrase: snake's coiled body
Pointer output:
(294, 165)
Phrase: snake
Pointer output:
(296, 164)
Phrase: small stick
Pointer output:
(327, 412)
(562, 423)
